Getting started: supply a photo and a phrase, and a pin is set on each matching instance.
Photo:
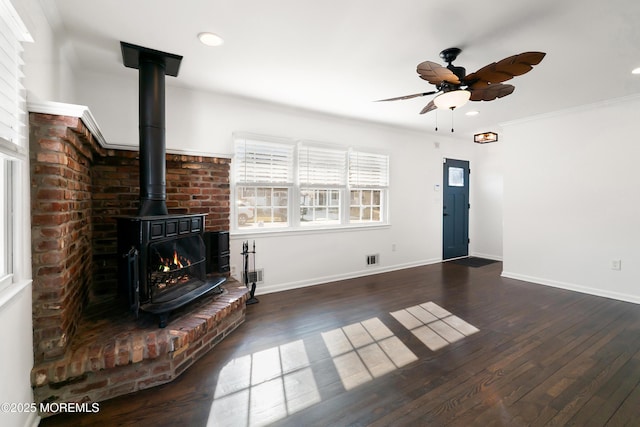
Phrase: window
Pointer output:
(281, 184)
(456, 177)
(13, 156)
(368, 182)
(5, 223)
(319, 206)
(264, 181)
(366, 206)
(321, 175)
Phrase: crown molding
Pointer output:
(574, 110)
(70, 110)
(83, 113)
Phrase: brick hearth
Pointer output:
(114, 354)
(86, 345)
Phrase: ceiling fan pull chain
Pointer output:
(452, 120)
(436, 120)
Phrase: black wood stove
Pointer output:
(162, 263)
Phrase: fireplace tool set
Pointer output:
(249, 276)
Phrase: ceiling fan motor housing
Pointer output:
(449, 55)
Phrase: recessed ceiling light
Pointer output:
(472, 113)
(635, 71)
(210, 39)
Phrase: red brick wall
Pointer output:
(77, 188)
(61, 153)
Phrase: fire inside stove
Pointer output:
(175, 263)
(171, 272)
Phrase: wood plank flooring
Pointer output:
(334, 355)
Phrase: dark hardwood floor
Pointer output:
(541, 356)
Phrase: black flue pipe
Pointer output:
(151, 104)
(153, 65)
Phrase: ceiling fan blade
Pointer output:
(435, 73)
(498, 72)
(429, 107)
(415, 95)
(487, 74)
(491, 92)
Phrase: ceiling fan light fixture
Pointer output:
(452, 99)
(635, 71)
(210, 39)
(485, 137)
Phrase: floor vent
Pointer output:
(373, 259)
(256, 276)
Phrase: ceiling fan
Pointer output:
(455, 87)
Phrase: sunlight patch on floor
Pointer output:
(261, 388)
(434, 326)
(365, 350)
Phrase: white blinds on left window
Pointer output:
(12, 99)
(262, 162)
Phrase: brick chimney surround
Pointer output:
(87, 346)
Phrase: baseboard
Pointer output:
(486, 256)
(573, 287)
(261, 290)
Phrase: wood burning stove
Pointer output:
(162, 263)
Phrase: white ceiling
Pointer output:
(337, 56)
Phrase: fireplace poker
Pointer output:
(245, 253)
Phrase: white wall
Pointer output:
(204, 122)
(16, 358)
(571, 199)
(485, 216)
(48, 73)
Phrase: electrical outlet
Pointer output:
(616, 264)
(233, 270)
(393, 247)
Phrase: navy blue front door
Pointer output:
(455, 209)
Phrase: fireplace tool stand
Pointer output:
(245, 256)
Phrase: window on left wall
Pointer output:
(5, 223)
(13, 130)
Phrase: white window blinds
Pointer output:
(12, 99)
(263, 162)
(368, 170)
(321, 166)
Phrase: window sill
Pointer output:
(300, 231)
(8, 293)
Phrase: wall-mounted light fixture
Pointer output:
(485, 137)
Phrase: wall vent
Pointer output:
(256, 276)
(373, 259)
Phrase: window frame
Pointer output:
(15, 220)
(295, 223)
(6, 232)
(321, 167)
(273, 174)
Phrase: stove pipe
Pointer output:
(153, 65)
